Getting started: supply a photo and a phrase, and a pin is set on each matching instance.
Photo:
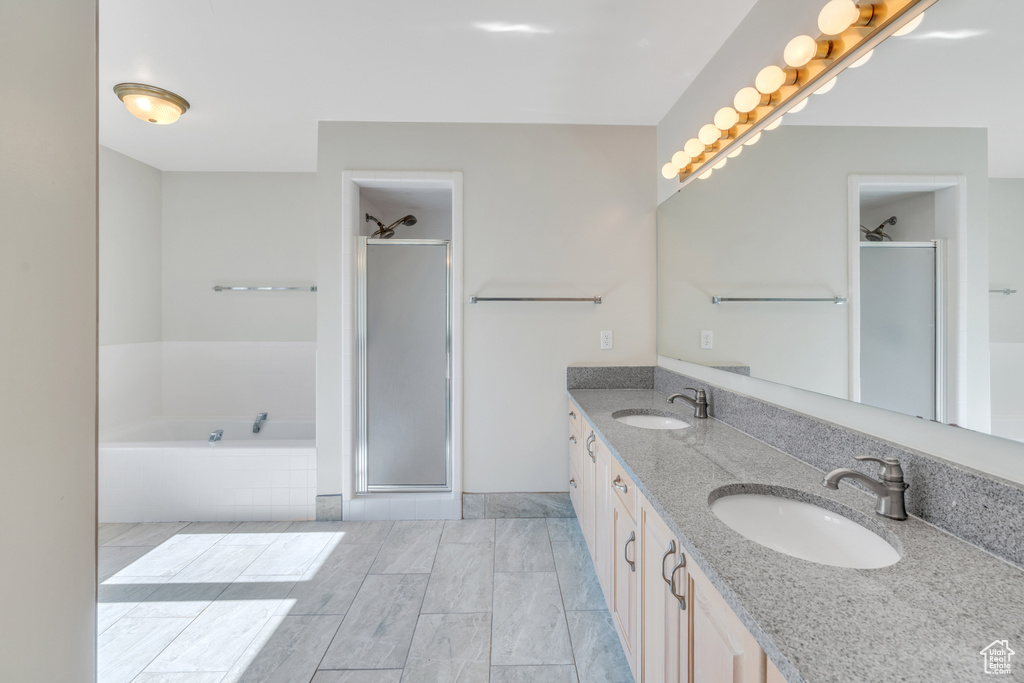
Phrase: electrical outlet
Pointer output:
(707, 338)
(606, 339)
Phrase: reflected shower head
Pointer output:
(877, 235)
(389, 231)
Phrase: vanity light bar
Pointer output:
(854, 30)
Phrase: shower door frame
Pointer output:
(362, 384)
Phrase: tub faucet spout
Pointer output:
(216, 435)
(258, 424)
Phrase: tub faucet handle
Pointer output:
(258, 424)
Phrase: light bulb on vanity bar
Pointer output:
(694, 147)
(709, 134)
(748, 99)
(839, 15)
(681, 159)
(669, 171)
(802, 49)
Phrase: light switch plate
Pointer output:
(606, 339)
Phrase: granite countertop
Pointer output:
(925, 618)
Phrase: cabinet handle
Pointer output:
(591, 439)
(672, 583)
(572, 482)
(572, 438)
(572, 414)
(671, 549)
(619, 485)
(625, 555)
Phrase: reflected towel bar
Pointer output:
(838, 300)
(474, 299)
(1007, 292)
(219, 288)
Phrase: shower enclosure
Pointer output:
(404, 348)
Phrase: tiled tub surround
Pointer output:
(164, 479)
(925, 618)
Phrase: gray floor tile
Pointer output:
(379, 626)
(599, 656)
(529, 623)
(364, 532)
(409, 548)
(290, 555)
(170, 557)
(108, 532)
(577, 578)
(533, 674)
(505, 505)
(365, 676)
(468, 531)
(332, 587)
(474, 505)
(124, 649)
(112, 559)
(270, 588)
(192, 677)
(178, 600)
(288, 649)
(148, 534)
(210, 528)
(255, 533)
(450, 648)
(219, 564)
(522, 545)
(216, 638)
(565, 529)
(462, 579)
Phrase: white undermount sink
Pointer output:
(648, 420)
(804, 530)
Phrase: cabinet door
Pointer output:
(722, 648)
(663, 654)
(589, 519)
(624, 578)
(604, 546)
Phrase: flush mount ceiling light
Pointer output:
(850, 30)
(152, 104)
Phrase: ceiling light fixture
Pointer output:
(151, 104)
(850, 32)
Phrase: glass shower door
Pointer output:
(404, 346)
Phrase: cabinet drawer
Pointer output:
(624, 488)
(575, 420)
(576, 491)
(575, 451)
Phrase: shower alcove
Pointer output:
(401, 407)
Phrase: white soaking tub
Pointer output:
(167, 471)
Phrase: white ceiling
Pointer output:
(961, 68)
(259, 74)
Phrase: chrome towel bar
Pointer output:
(220, 288)
(838, 300)
(475, 299)
(1007, 292)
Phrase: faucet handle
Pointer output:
(698, 394)
(889, 469)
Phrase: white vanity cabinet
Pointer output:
(673, 625)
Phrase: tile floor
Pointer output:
(500, 600)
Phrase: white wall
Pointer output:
(773, 223)
(48, 157)
(238, 229)
(130, 201)
(548, 211)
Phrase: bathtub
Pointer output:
(167, 471)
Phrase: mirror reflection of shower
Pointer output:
(389, 231)
(876, 235)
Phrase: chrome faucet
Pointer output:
(216, 435)
(258, 424)
(889, 490)
(699, 401)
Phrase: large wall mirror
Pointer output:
(891, 210)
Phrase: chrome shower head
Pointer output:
(404, 220)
